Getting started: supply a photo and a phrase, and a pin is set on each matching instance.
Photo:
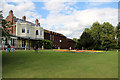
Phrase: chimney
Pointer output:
(24, 18)
(10, 13)
(36, 22)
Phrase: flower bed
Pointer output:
(66, 50)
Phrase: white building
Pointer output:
(24, 33)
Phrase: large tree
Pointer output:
(104, 35)
(86, 41)
(76, 40)
(5, 26)
(101, 35)
(118, 35)
(108, 36)
(96, 32)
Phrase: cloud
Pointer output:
(95, 3)
(73, 24)
(65, 0)
(102, 0)
(63, 18)
(55, 7)
(21, 8)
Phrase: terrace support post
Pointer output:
(29, 43)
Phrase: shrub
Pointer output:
(46, 43)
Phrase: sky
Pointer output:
(69, 17)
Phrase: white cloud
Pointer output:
(69, 0)
(70, 25)
(74, 23)
(102, 0)
(55, 7)
(21, 8)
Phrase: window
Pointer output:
(50, 37)
(27, 30)
(40, 32)
(53, 37)
(58, 37)
(23, 30)
(36, 32)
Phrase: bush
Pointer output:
(46, 43)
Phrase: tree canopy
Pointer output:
(118, 34)
(99, 36)
(5, 26)
(46, 43)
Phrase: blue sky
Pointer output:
(68, 18)
(40, 10)
(78, 6)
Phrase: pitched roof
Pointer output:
(47, 31)
(20, 20)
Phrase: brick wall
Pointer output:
(71, 43)
(10, 18)
(65, 42)
(47, 36)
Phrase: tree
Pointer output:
(96, 32)
(101, 35)
(5, 26)
(1, 23)
(76, 40)
(118, 34)
(87, 30)
(86, 40)
(108, 36)
(46, 43)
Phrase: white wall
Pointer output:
(32, 30)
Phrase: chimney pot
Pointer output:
(36, 22)
(24, 18)
(11, 13)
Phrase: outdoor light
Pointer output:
(60, 40)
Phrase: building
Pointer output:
(59, 40)
(25, 33)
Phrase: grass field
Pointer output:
(51, 64)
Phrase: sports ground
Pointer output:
(55, 64)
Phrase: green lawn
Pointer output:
(51, 64)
